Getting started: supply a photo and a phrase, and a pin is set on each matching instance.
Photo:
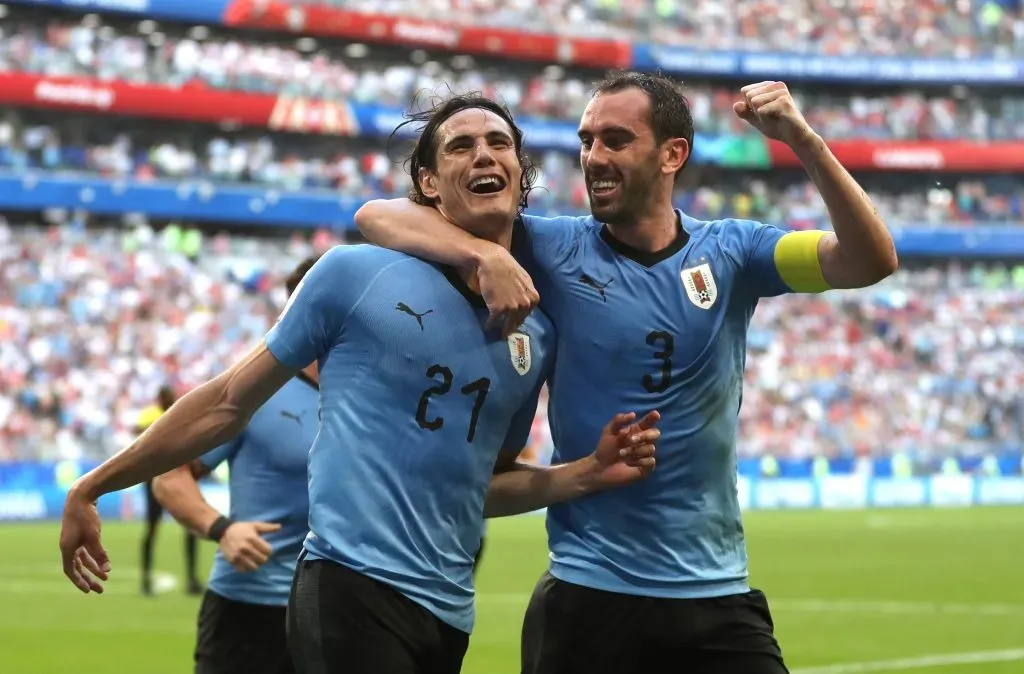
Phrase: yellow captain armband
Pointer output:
(796, 259)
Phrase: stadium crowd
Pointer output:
(957, 28)
(89, 48)
(360, 168)
(93, 320)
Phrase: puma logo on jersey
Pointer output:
(297, 418)
(404, 308)
(588, 280)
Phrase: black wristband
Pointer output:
(217, 529)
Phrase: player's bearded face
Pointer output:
(634, 183)
(621, 161)
(478, 182)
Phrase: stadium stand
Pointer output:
(179, 57)
(923, 366)
(928, 27)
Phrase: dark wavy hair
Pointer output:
(295, 278)
(424, 152)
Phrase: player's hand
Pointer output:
(507, 289)
(86, 563)
(244, 547)
(770, 108)
(625, 452)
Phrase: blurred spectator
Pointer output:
(359, 168)
(93, 321)
(958, 28)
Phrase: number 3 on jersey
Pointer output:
(665, 345)
(480, 387)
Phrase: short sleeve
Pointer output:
(219, 455)
(552, 239)
(522, 422)
(760, 271)
(780, 261)
(313, 319)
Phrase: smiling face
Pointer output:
(477, 182)
(625, 167)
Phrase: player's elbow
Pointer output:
(890, 262)
(165, 485)
(883, 265)
(371, 220)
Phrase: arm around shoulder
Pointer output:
(405, 226)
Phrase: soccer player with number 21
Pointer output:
(423, 413)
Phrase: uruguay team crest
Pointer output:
(519, 350)
(700, 285)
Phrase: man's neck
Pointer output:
(651, 232)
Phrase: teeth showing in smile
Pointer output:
(486, 184)
(603, 185)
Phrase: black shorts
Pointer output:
(570, 629)
(239, 638)
(343, 621)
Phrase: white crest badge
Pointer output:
(519, 351)
(700, 285)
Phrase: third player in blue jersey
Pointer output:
(241, 626)
(652, 309)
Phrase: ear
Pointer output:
(428, 183)
(674, 153)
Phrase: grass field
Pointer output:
(879, 591)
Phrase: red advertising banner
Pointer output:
(192, 103)
(949, 156)
(509, 44)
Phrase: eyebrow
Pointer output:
(491, 135)
(621, 130)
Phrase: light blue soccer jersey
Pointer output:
(416, 402)
(639, 332)
(267, 483)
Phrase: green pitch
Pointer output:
(878, 591)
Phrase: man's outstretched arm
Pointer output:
(206, 417)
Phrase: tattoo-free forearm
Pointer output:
(524, 487)
(864, 242)
(195, 424)
(400, 224)
(178, 491)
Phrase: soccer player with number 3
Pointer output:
(651, 309)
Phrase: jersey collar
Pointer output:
(645, 258)
(519, 248)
